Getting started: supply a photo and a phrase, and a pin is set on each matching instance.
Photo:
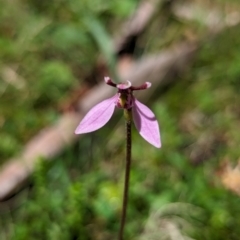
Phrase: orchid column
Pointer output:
(144, 119)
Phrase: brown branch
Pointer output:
(46, 144)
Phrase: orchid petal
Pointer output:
(98, 116)
(146, 123)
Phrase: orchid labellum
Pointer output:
(144, 119)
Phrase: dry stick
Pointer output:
(128, 125)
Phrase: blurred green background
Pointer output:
(47, 50)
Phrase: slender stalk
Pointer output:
(128, 124)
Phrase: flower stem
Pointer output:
(128, 123)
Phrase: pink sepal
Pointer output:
(146, 123)
(98, 116)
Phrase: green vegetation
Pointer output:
(46, 52)
(47, 48)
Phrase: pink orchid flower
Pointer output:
(144, 119)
